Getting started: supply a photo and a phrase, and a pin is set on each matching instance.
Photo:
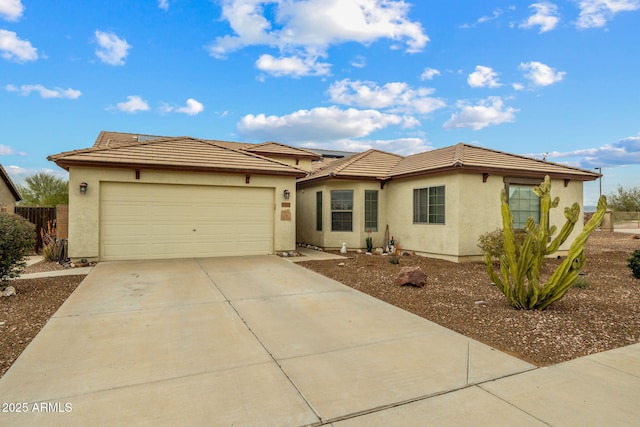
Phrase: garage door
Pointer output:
(152, 221)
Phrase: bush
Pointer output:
(634, 264)
(581, 282)
(51, 251)
(17, 239)
(492, 243)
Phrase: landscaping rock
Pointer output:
(413, 276)
(8, 291)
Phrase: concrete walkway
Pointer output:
(262, 341)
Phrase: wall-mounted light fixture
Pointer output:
(83, 187)
(287, 194)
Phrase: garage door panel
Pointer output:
(147, 221)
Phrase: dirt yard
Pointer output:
(603, 316)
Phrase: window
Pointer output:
(523, 203)
(371, 210)
(428, 205)
(318, 210)
(342, 210)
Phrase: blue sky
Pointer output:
(555, 79)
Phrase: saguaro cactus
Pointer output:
(520, 265)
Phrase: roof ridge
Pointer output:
(352, 159)
(458, 155)
(521, 156)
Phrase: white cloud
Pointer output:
(396, 97)
(541, 74)
(545, 16)
(112, 50)
(308, 28)
(18, 173)
(11, 10)
(494, 15)
(133, 104)
(596, 13)
(429, 74)
(6, 150)
(14, 49)
(402, 146)
(487, 112)
(517, 86)
(293, 66)
(163, 4)
(359, 62)
(483, 77)
(625, 152)
(319, 124)
(25, 90)
(191, 108)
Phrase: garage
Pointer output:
(152, 221)
(134, 197)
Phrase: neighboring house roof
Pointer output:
(386, 166)
(172, 153)
(275, 148)
(12, 187)
(479, 159)
(372, 164)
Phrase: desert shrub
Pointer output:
(17, 238)
(634, 264)
(492, 242)
(581, 282)
(394, 260)
(51, 251)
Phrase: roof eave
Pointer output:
(588, 176)
(66, 164)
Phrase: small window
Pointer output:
(371, 210)
(318, 210)
(342, 210)
(428, 205)
(523, 203)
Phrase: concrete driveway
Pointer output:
(249, 341)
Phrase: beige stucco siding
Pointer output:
(84, 210)
(7, 199)
(327, 238)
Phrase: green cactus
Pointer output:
(519, 278)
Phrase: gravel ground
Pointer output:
(603, 316)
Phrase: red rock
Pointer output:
(413, 276)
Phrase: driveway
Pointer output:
(249, 341)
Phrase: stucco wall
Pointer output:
(472, 207)
(84, 209)
(7, 199)
(333, 239)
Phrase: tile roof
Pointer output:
(177, 153)
(12, 187)
(270, 148)
(470, 157)
(370, 164)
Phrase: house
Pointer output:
(151, 197)
(9, 193)
(137, 196)
(435, 203)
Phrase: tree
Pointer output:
(625, 200)
(519, 277)
(44, 190)
(17, 237)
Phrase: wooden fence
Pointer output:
(40, 217)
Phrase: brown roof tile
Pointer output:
(182, 153)
(270, 148)
(370, 164)
(469, 157)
